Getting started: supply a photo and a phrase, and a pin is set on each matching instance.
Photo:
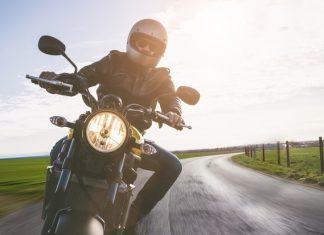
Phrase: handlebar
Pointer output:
(154, 115)
(68, 89)
(52, 82)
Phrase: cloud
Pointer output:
(257, 64)
(26, 116)
(89, 44)
(27, 113)
(229, 47)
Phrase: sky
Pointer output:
(258, 64)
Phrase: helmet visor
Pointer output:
(147, 45)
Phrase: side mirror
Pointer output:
(188, 95)
(51, 46)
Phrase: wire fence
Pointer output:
(280, 148)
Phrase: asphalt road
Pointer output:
(215, 196)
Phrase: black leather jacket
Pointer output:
(117, 75)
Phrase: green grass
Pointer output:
(21, 182)
(304, 164)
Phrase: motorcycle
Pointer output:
(89, 187)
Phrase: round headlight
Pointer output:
(105, 131)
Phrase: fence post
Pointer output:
(263, 154)
(254, 151)
(321, 154)
(288, 156)
(278, 152)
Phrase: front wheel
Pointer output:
(77, 223)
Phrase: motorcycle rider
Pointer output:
(134, 77)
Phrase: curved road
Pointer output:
(215, 196)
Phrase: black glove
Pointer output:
(79, 83)
(176, 120)
(49, 76)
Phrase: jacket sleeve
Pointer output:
(97, 72)
(169, 102)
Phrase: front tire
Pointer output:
(78, 223)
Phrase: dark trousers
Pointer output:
(166, 167)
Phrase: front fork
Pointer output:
(57, 201)
(118, 178)
(116, 187)
(130, 189)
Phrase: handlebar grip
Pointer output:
(161, 118)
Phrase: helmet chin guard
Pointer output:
(150, 29)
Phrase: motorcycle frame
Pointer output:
(65, 179)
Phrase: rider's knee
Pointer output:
(175, 167)
(178, 167)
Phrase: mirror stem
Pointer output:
(71, 62)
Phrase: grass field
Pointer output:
(304, 164)
(22, 180)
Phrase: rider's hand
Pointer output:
(79, 83)
(176, 120)
(49, 76)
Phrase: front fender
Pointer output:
(71, 222)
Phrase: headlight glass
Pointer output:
(106, 132)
